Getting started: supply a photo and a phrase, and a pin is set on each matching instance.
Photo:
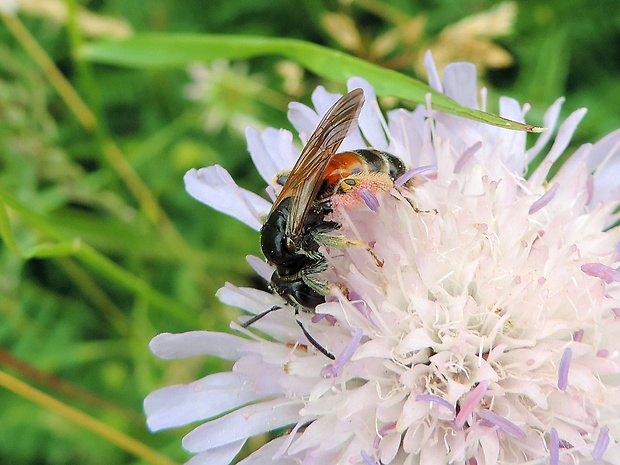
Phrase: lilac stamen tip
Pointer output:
(554, 447)
(578, 335)
(409, 175)
(387, 428)
(345, 355)
(332, 320)
(370, 199)
(367, 458)
(466, 156)
(382, 432)
(437, 400)
(473, 400)
(604, 272)
(602, 442)
(503, 423)
(544, 200)
(564, 367)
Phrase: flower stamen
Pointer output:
(369, 199)
(466, 156)
(503, 423)
(564, 367)
(333, 369)
(472, 401)
(602, 442)
(544, 200)
(367, 458)
(437, 400)
(554, 447)
(409, 175)
(598, 270)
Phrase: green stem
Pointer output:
(80, 418)
(86, 254)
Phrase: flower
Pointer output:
(480, 327)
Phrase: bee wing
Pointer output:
(304, 180)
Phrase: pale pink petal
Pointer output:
(433, 453)
(247, 298)
(550, 120)
(272, 151)
(218, 456)
(603, 150)
(304, 120)
(460, 82)
(265, 455)
(184, 345)
(408, 137)
(511, 108)
(433, 76)
(206, 398)
(574, 180)
(565, 133)
(323, 100)
(260, 266)
(213, 186)
(607, 183)
(371, 121)
(490, 448)
(243, 423)
(512, 142)
(606, 177)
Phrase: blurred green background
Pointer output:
(102, 248)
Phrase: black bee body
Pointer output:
(298, 258)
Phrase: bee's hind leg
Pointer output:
(339, 242)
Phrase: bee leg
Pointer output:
(314, 342)
(340, 242)
(255, 318)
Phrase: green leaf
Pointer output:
(166, 50)
(6, 233)
(67, 246)
(53, 249)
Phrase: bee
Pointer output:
(296, 226)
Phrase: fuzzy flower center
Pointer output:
(469, 300)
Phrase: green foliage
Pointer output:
(90, 270)
(170, 50)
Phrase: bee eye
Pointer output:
(350, 182)
(289, 244)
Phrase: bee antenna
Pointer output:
(255, 318)
(314, 342)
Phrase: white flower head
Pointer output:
(481, 326)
